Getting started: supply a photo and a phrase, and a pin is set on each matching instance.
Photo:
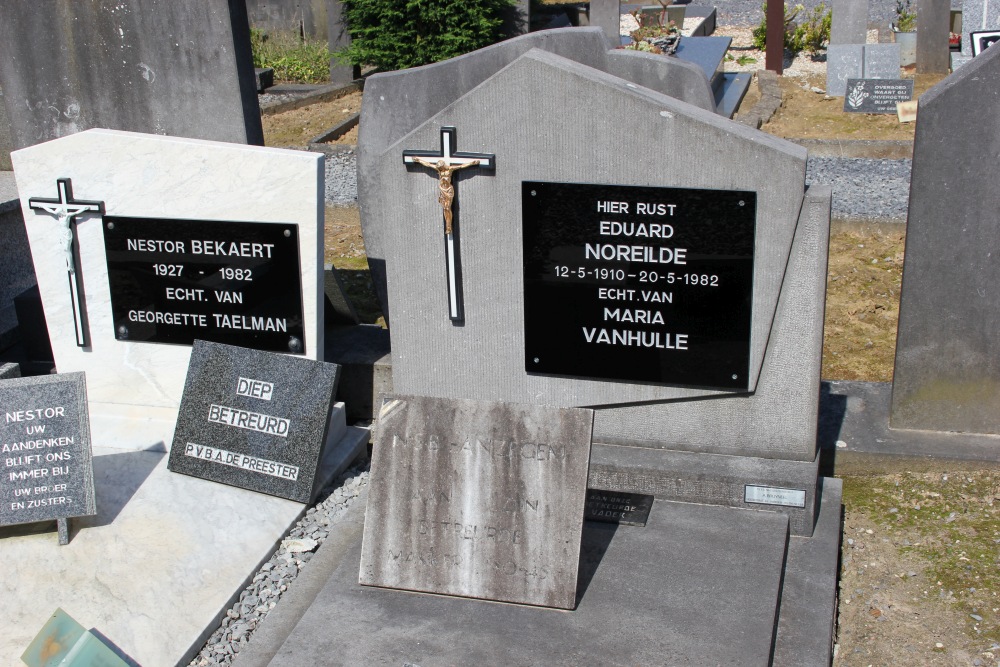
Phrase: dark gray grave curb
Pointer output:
(321, 94)
(767, 105)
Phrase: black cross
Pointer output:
(446, 163)
(66, 209)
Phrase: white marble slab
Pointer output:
(150, 176)
(161, 561)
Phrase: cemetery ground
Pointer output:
(919, 571)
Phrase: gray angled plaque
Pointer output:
(253, 419)
(46, 469)
(477, 499)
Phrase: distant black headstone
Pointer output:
(876, 95)
(46, 470)
(253, 419)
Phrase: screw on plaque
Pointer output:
(111, 225)
(294, 344)
(288, 233)
(734, 376)
(536, 360)
(122, 333)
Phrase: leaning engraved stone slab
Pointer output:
(477, 499)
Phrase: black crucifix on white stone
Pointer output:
(66, 209)
(446, 163)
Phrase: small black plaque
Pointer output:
(629, 509)
(638, 283)
(876, 95)
(174, 281)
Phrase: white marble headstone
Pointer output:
(152, 176)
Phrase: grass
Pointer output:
(951, 524)
(293, 59)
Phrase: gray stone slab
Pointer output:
(134, 65)
(481, 500)
(8, 371)
(307, 18)
(45, 449)
(338, 307)
(707, 152)
(6, 143)
(978, 15)
(850, 22)
(881, 61)
(662, 594)
(396, 103)
(809, 589)
(947, 369)
(255, 420)
(606, 15)
(933, 29)
(854, 428)
(843, 62)
(709, 478)
(707, 53)
(339, 38)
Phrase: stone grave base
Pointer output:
(160, 563)
(698, 584)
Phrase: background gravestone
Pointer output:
(175, 67)
(850, 22)
(480, 500)
(156, 178)
(947, 370)
(843, 62)
(978, 15)
(256, 420)
(431, 356)
(45, 458)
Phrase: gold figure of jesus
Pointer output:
(446, 194)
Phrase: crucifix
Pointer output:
(66, 209)
(446, 162)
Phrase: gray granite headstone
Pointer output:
(881, 61)
(129, 65)
(947, 371)
(46, 471)
(850, 22)
(477, 499)
(876, 95)
(843, 62)
(978, 15)
(253, 419)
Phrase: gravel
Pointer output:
(278, 574)
(749, 12)
(863, 188)
(342, 176)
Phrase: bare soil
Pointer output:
(920, 569)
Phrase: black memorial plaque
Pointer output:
(174, 281)
(876, 95)
(627, 509)
(641, 284)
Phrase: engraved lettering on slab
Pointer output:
(629, 509)
(477, 499)
(876, 95)
(771, 495)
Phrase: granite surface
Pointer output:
(947, 370)
(843, 62)
(256, 420)
(147, 176)
(477, 499)
(45, 448)
(8, 371)
(881, 61)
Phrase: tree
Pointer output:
(395, 34)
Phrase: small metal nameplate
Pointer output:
(772, 495)
(629, 509)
